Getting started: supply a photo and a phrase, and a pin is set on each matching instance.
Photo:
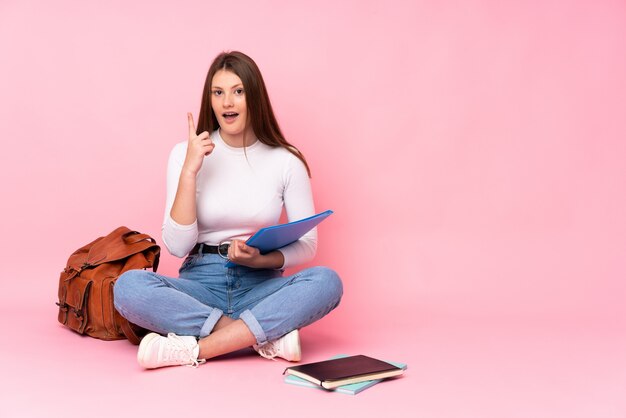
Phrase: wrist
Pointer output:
(188, 174)
(272, 260)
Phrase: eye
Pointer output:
(217, 92)
(239, 92)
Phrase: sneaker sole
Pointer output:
(294, 338)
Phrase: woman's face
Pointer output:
(228, 100)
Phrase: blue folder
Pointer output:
(274, 237)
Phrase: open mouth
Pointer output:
(230, 116)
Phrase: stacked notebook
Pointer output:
(343, 374)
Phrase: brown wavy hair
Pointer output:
(258, 104)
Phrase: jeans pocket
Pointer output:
(188, 262)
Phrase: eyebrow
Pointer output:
(233, 87)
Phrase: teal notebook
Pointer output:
(351, 389)
(274, 237)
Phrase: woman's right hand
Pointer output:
(198, 147)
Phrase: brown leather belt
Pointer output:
(210, 249)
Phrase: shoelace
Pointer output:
(269, 350)
(180, 351)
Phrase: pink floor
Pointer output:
(456, 369)
(473, 152)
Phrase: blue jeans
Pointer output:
(269, 304)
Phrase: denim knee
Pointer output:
(125, 289)
(329, 283)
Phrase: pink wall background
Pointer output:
(473, 151)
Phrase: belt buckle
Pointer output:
(223, 246)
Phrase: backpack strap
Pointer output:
(118, 245)
(130, 333)
(133, 237)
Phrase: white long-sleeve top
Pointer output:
(237, 194)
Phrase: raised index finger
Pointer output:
(192, 127)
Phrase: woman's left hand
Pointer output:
(242, 254)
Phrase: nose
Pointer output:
(228, 99)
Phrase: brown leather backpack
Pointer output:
(86, 283)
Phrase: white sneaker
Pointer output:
(173, 350)
(286, 347)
